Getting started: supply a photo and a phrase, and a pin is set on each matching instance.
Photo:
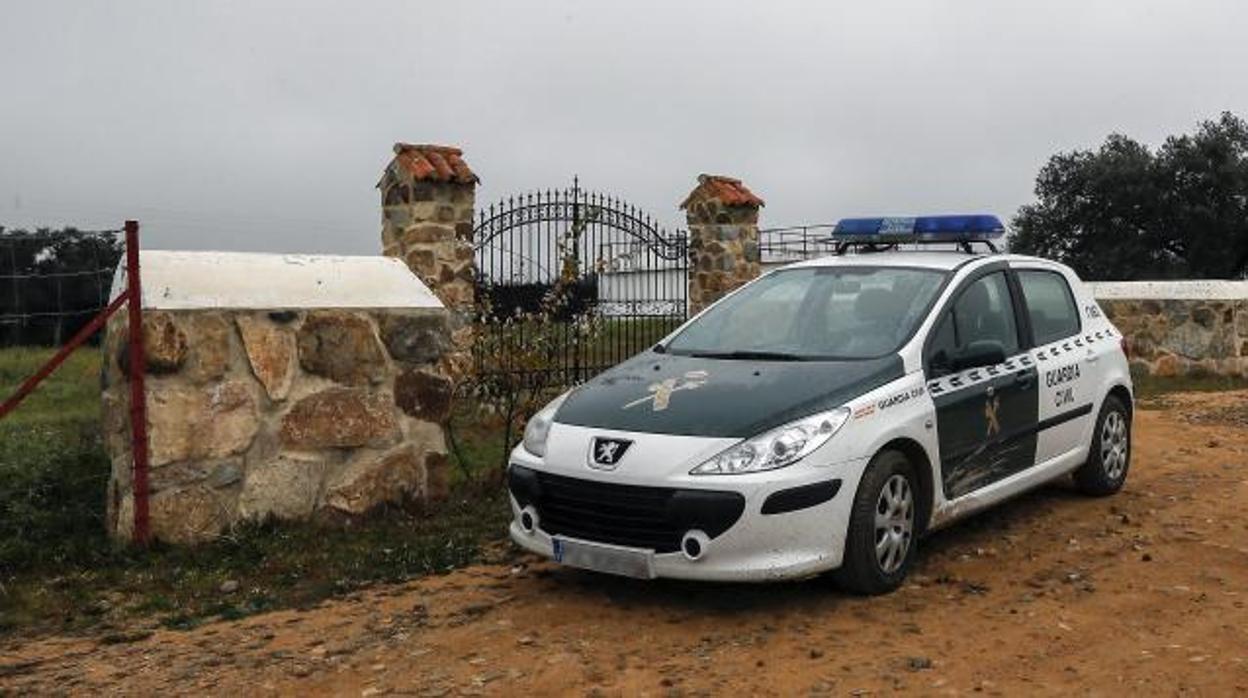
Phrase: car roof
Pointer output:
(928, 259)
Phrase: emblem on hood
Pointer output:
(605, 453)
(661, 392)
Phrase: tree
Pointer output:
(1124, 211)
(52, 282)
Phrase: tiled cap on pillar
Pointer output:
(723, 238)
(708, 201)
(433, 163)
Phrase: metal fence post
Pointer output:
(138, 395)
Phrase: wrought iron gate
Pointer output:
(574, 281)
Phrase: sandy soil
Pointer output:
(1053, 593)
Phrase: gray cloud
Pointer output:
(263, 126)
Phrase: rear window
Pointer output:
(1050, 305)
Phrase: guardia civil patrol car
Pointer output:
(826, 415)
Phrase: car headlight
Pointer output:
(784, 445)
(538, 428)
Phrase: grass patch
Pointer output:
(59, 571)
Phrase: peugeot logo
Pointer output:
(605, 453)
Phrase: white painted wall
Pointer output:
(178, 280)
(1170, 290)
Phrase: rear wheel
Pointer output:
(1109, 457)
(883, 527)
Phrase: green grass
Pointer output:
(59, 571)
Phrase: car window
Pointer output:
(982, 312)
(1050, 305)
(849, 312)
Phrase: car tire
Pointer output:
(879, 550)
(1109, 456)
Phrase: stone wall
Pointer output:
(1181, 328)
(722, 214)
(291, 413)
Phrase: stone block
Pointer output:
(437, 476)
(340, 418)
(423, 395)
(369, 481)
(164, 344)
(283, 488)
(341, 346)
(186, 422)
(209, 355)
(271, 351)
(420, 337)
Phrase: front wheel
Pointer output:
(883, 531)
(1110, 454)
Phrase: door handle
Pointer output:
(1092, 357)
(1022, 379)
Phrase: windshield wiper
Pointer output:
(749, 354)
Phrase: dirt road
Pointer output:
(1144, 592)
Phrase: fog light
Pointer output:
(693, 545)
(528, 519)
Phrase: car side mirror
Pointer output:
(985, 352)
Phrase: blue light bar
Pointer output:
(955, 228)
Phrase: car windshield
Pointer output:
(815, 313)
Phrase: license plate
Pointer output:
(601, 557)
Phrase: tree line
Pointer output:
(52, 282)
(1127, 212)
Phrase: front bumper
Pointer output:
(803, 534)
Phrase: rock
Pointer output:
(226, 473)
(370, 481)
(190, 515)
(918, 663)
(340, 418)
(271, 352)
(341, 346)
(437, 476)
(229, 586)
(420, 337)
(209, 355)
(164, 344)
(193, 423)
(283, 488)
(423, 395)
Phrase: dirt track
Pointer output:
(1143, 592)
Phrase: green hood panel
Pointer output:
(668, 394)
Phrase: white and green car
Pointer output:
(826, 415)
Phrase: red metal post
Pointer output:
(138, 396)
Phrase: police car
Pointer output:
(829, 413)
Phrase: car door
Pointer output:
(985, 416)
(1065, 359)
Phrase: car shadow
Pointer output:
(679, 599)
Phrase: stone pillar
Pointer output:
(427, 198)
(723, 238)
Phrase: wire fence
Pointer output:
(53, 282)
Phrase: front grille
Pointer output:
(638, 517)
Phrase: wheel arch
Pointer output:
(1121, 392)
(917, 455)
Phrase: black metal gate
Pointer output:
(571, 282)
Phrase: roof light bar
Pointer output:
(956, 228)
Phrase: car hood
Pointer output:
(669, 394)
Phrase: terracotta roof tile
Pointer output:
(728, 190)
(436, 163)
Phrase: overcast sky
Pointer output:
(264, 125)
